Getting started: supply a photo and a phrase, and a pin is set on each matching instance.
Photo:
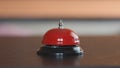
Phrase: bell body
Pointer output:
(60, 42)
(60, 37)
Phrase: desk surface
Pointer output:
(21, 51)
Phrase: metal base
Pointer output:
(51, 50)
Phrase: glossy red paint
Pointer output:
(60, 37)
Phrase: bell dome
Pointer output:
(61, 37)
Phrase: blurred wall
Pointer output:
(55, 9)
(38, 28)
(60, 9)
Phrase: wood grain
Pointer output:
(21, 51)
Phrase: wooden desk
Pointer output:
(21, 51)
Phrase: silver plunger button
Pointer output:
(60, 24)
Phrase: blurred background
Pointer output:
(35, 17)
(38, 28)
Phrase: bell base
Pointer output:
(50, 50)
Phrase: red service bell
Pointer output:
(60, 42)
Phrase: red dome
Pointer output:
(60, 37)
